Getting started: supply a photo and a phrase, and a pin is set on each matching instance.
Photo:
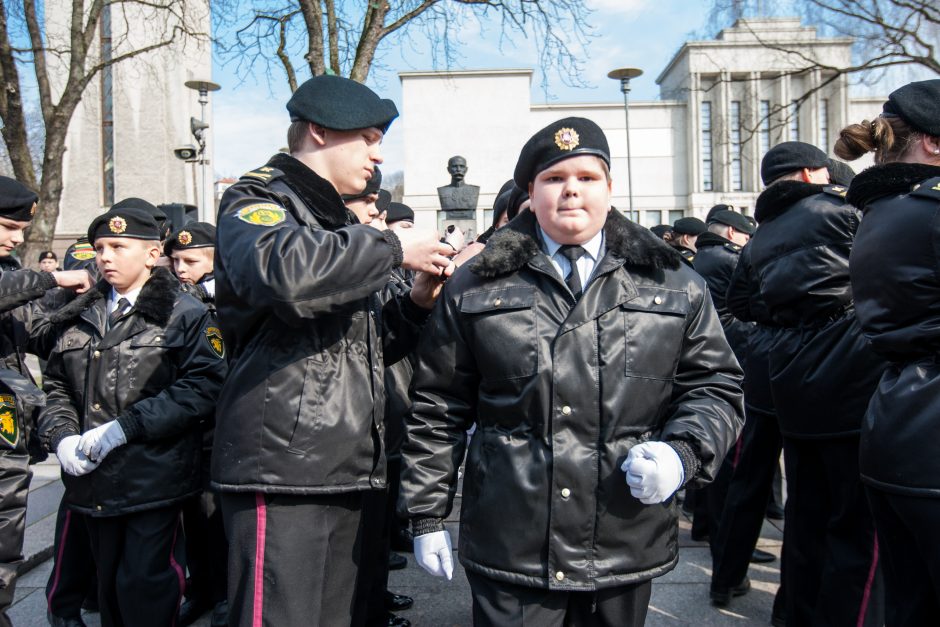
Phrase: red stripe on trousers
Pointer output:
(261, 512)
(58, 559)
(866, 596)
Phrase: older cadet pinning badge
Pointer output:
(214, 337)
(9, 425)
(262, 214)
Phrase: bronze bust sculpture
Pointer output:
(458, 196)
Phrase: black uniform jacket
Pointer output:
(895, 269)
(157, 370)
(297, 286)
(560, 391)
(822, 369)
(397, 375)
(716, 259)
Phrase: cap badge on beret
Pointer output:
(262, 214)
(117, 224)
(185, 238)
(567, 139)
(32, 210)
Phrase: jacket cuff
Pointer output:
(58, 434)
(689, 458)
(426, 525)
(389, 236)
(47, 281)
(131, 427)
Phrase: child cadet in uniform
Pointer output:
(594, 366)
(191, 250)
(136, 367)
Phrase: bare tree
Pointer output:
(344, 38)
(64, 51)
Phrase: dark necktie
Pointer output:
(573, 281)
(122, 306)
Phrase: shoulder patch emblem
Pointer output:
(262, 214)
(83, 252)
(9, 425)
(216, 343)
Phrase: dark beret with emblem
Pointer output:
(384, 200)
(127, 222)
(840, 173)
(732, 219)
(17, 202)
(789, 157)
(714, 210)
(372, 186)
(660, 230)
(918, 104)
(689, 226)
(47, 254)
(192, 235)
(570, 137)
(142, 205)
(398, 211)
(340, 103)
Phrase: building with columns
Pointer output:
(723, 104)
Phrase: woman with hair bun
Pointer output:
(895, 271)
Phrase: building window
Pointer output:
(675, 214)
(107, 111)
(824, 124)
(794, 121)
(651, 218)
(735, 120)
(706, 124)
(764, 135)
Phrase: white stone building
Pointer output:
(723, 104)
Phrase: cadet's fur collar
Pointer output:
(511, 247)
(318, 194)
(888, 179)
(708, 238)
(155, 302)
(779, 197)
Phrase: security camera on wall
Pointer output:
(186, 153)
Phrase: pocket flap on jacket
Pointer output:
(155, 338)
(505, 299)
(71, 340)
(659, 301)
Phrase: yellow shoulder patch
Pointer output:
(262, 214)
(216, 343)
(9, 425)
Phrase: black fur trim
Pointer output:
(318, 194)
(155, 302)
(887, 179)
(512, 246)
(708, 238)
(779, 197)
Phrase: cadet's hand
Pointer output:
(78, 280)
(434, 553)
(73, 461)
(456, 238)
(423, 252)
(470, 251)
(654, 472)
(427, 287)
(100, 441)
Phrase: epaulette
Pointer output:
(928, 189)
(733, 248)
(265, 174)
(836, 190)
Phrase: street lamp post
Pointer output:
(199, 128)
(624, 75)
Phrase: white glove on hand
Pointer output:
(73, 461)
(654, 472)
(434, 553)
(100, 441)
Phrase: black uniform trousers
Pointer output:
(500, 604)
(910, 556)
(14, 487)
(206, 546)
(292, 559)
(141, 566)
(74, 576)
(830, 550)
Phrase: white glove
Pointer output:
(73, 461)
(434, 553)
(654, 472)
(100, 441)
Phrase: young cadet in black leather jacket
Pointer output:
(894, 269)
(137, 366)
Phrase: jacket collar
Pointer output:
(318, 194)
(513, 246)
(888, 179)
(708, 238)
(779, 197)
(155, 302)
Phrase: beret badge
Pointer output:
(567, 139)
(117, 224)
(185, 238)
(32, 210)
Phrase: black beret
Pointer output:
(47, 254)
(127, 222)
(399, 211)
(384, 199)
(17, 202)
(716, 209)
(789, 157)
(79, 255)
(734, 219)
(689, 226)
(840, 173)
(372, 186)
(660, 229)
(918, 104)
(162, 220)
(192, 235)
(570, 137)
(340, 103)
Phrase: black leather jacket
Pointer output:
(559, 393)
(897, 295)
(715, 259)
(157, 370)
(297, 285)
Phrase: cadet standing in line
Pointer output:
(684, 233)
(298, 432)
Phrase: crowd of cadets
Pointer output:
(275, 406)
